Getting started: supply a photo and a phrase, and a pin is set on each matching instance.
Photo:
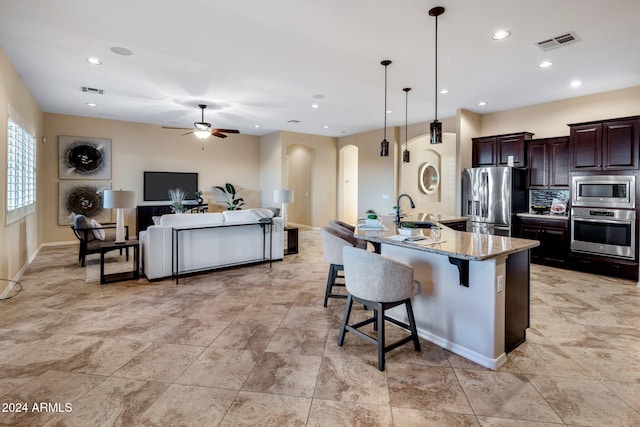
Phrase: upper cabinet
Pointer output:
(605, 145)
(496, 150)
(548, 162)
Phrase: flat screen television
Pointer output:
(158, 184)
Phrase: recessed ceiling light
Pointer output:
(93, 60)
(121, 51)
(482, 103)
(256, 126)
(91, 104)
(389, 111)
(326, 127)
(575, 83)
(314, 105)
(445, 91)
(502, 34)
(545, 64)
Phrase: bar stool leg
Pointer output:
(345, 319)
(412, 325)
(380, 323)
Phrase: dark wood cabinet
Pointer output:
(605, 145)
(553, 235)
(548, 163)
(145, 213)
(495, 150)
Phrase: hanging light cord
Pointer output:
(436, 64)
(406, 115)
(385, 101)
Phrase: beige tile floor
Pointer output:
(253, 346)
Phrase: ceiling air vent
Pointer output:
(93, 90)
(293, 121)
(557, 41)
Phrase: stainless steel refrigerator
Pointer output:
(491, 197)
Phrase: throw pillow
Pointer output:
(81, 222)
(156, 219)
(262, 213)
(98, 231)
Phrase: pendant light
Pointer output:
(406, 156)
(384, 145)
(436, 126)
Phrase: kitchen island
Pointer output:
(474, 299)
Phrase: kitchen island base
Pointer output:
(481, 322)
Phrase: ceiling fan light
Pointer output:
(202, 125)
(202, 134)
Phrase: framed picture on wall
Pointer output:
(81, 157)
(82, 197)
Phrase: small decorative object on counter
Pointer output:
(199, 198)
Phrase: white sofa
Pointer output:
(227, 242)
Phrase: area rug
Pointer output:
(113, 263)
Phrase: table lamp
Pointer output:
(283, 196)
(119, 199)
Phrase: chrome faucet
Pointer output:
(398, 205)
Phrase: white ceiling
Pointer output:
(261, 62)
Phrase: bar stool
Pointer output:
(379, 283)
(349, 229)
(332, 243)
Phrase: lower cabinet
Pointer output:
(605, 266)
(553, 235)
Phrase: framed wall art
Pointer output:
(84, 158)
(82, 197)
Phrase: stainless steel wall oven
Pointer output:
(606, 232)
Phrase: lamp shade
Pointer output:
(283, 196)
(119, 199)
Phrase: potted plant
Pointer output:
(408, 229)
(199, 198)
(177, 196)
(372, 217)
(232, 200)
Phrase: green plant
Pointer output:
(407, 225)
(177, 196)
(198, 194)
(232, 200)
(372, 216)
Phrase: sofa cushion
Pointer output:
(240, 216)
(174, 220)
(81, 221)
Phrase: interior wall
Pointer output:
(550, 119)
(377, 176)
(442, 157)
(271, 168)
(19, 240)
(136, 147)
(300, 159)
(348, 185)
(323, 192)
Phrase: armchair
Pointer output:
(86, 234)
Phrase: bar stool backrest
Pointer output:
(376, 278)
(332, 243)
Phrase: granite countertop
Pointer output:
(456, 244)
(541, 216)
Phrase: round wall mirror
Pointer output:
(428, 178)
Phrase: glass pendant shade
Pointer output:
(406, 156)
(436, 132)
(202, 134)
(384, 148)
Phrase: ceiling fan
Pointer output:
(203, 129)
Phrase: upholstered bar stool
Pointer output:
(348, 229)
(332, 243)
(379, 283)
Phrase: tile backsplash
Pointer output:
(545, 197)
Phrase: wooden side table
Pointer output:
(292, 240)
(127, 275)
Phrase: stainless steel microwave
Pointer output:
(607, 191)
